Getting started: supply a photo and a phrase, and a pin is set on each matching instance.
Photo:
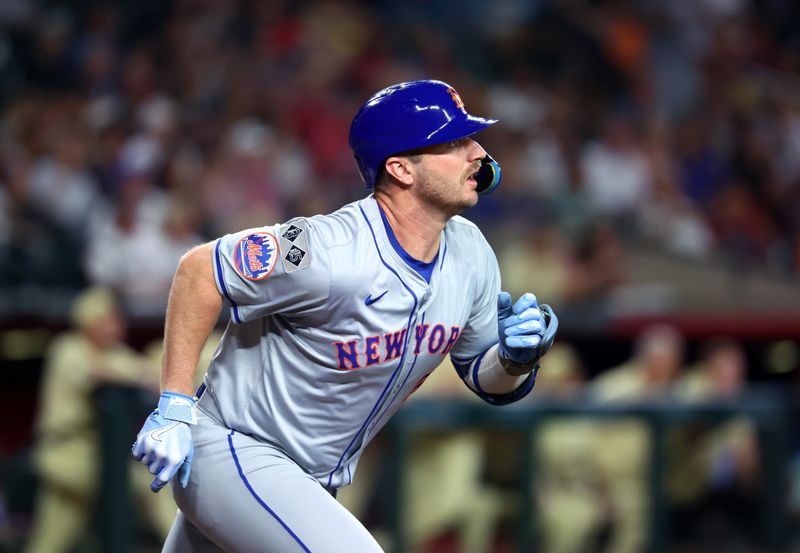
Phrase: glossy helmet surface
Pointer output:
(407, 116)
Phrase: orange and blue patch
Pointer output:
(255, 255)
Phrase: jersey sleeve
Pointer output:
(279, 269)
(480, 334)
(480, 331)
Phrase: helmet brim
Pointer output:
(459, 128)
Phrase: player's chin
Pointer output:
(471, 193)
(468, 200)
(465, 198)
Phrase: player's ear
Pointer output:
(401, 169)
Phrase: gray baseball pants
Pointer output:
(245, 496)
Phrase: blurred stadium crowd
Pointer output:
(637, 138)
(133, 129)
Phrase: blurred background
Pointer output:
(651, 195)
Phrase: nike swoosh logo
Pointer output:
(370, 300)
(156, 434)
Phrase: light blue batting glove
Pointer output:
(526, 330)
(164, 444)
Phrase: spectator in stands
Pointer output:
(136, 253)
(622, 446)
(144, 152)
(229, 66)
(715, 467)
(59, 202)
(445, 477)
(702, 169)
(650, 374)
(60, 185)
(617, 178)
(569, 492)
(669, 218)
(238, 189)
(90, 355)
(248, 96)
(537, 259)
(597, 267)
(744, 231)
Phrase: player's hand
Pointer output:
(164, 444)
(526, 329)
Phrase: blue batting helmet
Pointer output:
(408, 116)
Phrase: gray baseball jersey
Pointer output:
(331, 330)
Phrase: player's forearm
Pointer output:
(494, 376)
(193, 309)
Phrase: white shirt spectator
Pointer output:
(65, 194)
(545, 163)
(139, 262)
(615, 180)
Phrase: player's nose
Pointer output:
(475, 151)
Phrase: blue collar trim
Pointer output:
(425, 270)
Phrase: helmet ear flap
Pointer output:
(364, 171)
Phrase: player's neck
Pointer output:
(417, 230)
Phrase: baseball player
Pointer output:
(334, 320)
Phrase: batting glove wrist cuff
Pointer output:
(512, 368)
(490, 375)
(177, 407)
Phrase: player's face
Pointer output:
(445, 173)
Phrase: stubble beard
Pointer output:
(452, 197)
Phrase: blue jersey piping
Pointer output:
(222, 284)
(402, 357)
(410, 370)
(425, 270)
(475, 382)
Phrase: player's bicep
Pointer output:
(196, 274)
(261, 271)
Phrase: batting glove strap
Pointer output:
(551, 327)
(177, 407)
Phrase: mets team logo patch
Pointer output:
(255, 255)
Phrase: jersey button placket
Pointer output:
(423, 295)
